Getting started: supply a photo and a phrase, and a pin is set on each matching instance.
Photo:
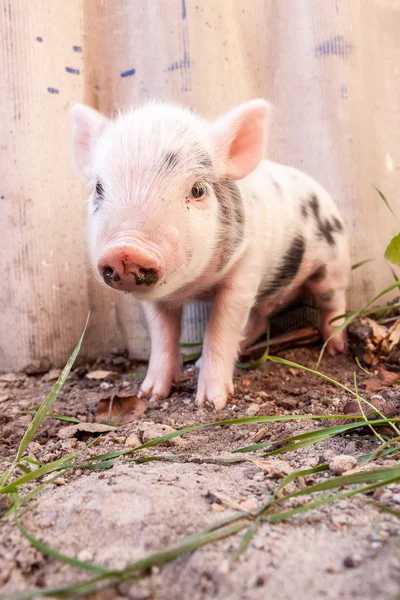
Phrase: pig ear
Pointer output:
(240, 136)
(86, 125)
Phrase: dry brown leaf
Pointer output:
(387, 377)
(100, 374)
(119, 409)
(83, 430)
(373, 385)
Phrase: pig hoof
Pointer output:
(337, 345)
(197, 364)
(218, 399)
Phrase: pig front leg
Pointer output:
(221, 344)
(164, 323)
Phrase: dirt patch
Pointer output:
(116, 516)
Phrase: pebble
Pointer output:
(133, 441)
(51, 375)
(4, 398)
(252, 409)
(342, 463)
(351, 561)
(85, 555)
(148, 431)
(105, 385)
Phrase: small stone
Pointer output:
(37, 367)
(260, 435)
(165, 405)
(4, 397)
(132, 441)
(351, 447)
(51, 375)
(350, 562)
(125, 384)
(149, 431)
(342, 463)
(85, 555)
(119, 439)
(12, 377)
(263, 395)
(252, 409)
(105, 385)
(288, 403)
(217, 507)
(260, 581)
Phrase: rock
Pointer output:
(85, 555)
(83, 428)
(351, 561)
(99, 374)
(51, 375)
(260, 435)
(132, 441)
(12, 377)
(4, 397)
(37, 367)
(252, 409)
(342, 463)
(149, 431)
(288, 403)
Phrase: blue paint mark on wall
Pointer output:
(77, 48)
(183, 9)
(52, 90)
(39, 39)
(336, 46)
(128, 73)
(71, 70)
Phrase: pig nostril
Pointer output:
(145, 276)
(109, 275)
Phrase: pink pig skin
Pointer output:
(182, 208)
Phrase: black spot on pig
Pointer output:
(319, 274)
(231, 217)
(325, 227)
(287, 270)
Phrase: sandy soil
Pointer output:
(113, 517)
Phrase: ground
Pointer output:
(112, 517)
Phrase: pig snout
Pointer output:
(129, 266)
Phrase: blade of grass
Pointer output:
(262, 359)
(359, 365)
(49, 468)
(327, 431)
(386, 201)
(361, 263)
(45, 407)
(58, 555)
(380, 438)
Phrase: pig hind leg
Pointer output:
(328, 286)
(256, 325)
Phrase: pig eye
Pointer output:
(198, 191)
(99, 189)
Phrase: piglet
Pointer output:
(182, 208)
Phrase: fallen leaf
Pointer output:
(83, 430)
(386, 407)
(373, 385)
(119, 409)
(387, 377)
(100, 374)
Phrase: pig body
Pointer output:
(184, 209)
